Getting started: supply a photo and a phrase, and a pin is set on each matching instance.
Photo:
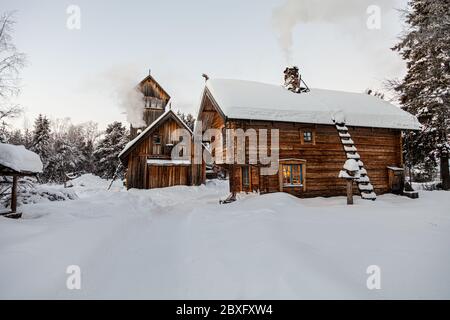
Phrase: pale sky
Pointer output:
(78, 73)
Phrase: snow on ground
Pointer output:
(181, 243)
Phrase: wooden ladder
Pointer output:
(363, 182)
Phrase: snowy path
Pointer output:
(180, 243)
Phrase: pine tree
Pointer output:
(424, 91)
(87, 151)
(60, 162)
(4, 132)
(107, 151)
(16, 138)
(40, 142)
(27, 138)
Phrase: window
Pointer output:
(156, 144)
(292, 174)
(307, 136)
(245, 176)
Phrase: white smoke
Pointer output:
(123, 81)
(131, 100)
(293, 12)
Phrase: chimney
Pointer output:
(292, 79)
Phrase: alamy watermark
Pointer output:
(73, 21)
(373, 21)
(373, 281)
(73, 281)
(229, 146)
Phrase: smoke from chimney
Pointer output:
(294, 12)
(123, 85)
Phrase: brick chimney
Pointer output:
(292, 79)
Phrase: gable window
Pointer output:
(156, 144)
(292, 174)
(307, 136)
(245, 176)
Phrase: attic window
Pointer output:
(307, 136)
(157, 139)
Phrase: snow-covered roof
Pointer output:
(240, 99)
(19, 159)
(130, 144)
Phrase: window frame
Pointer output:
(156, 135)
(247, 169)
(313, 137)
(301, 174)
(298, 175)
(308, 134)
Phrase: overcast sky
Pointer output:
(78, 73)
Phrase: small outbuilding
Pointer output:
(15, 162)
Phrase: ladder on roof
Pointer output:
(364, 186)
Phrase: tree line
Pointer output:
(68, 149)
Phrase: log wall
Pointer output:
(324, 157)
(141, 175)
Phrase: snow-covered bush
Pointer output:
(31, 192)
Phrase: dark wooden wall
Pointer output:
(155, 100)
(144, 176)
(325, 157)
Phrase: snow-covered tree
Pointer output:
(16, 137)
(107, 151)
(41, 143)
(425, 90)
(188, 119)
(71, 149)
(27, 138)
(4, 132)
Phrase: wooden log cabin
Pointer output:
(313, 143)
(147, 157)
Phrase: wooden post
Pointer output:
(14, 195)
(349, 191)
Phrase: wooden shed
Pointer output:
(16, 162)
(155, 101)
(148, 157)
(313, 143)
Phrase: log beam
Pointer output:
(349, 191)
(14, 195)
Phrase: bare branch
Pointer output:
(11, 62)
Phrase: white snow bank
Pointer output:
(239, 99)
(19, 159)
(180, 243)
(89, 184)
